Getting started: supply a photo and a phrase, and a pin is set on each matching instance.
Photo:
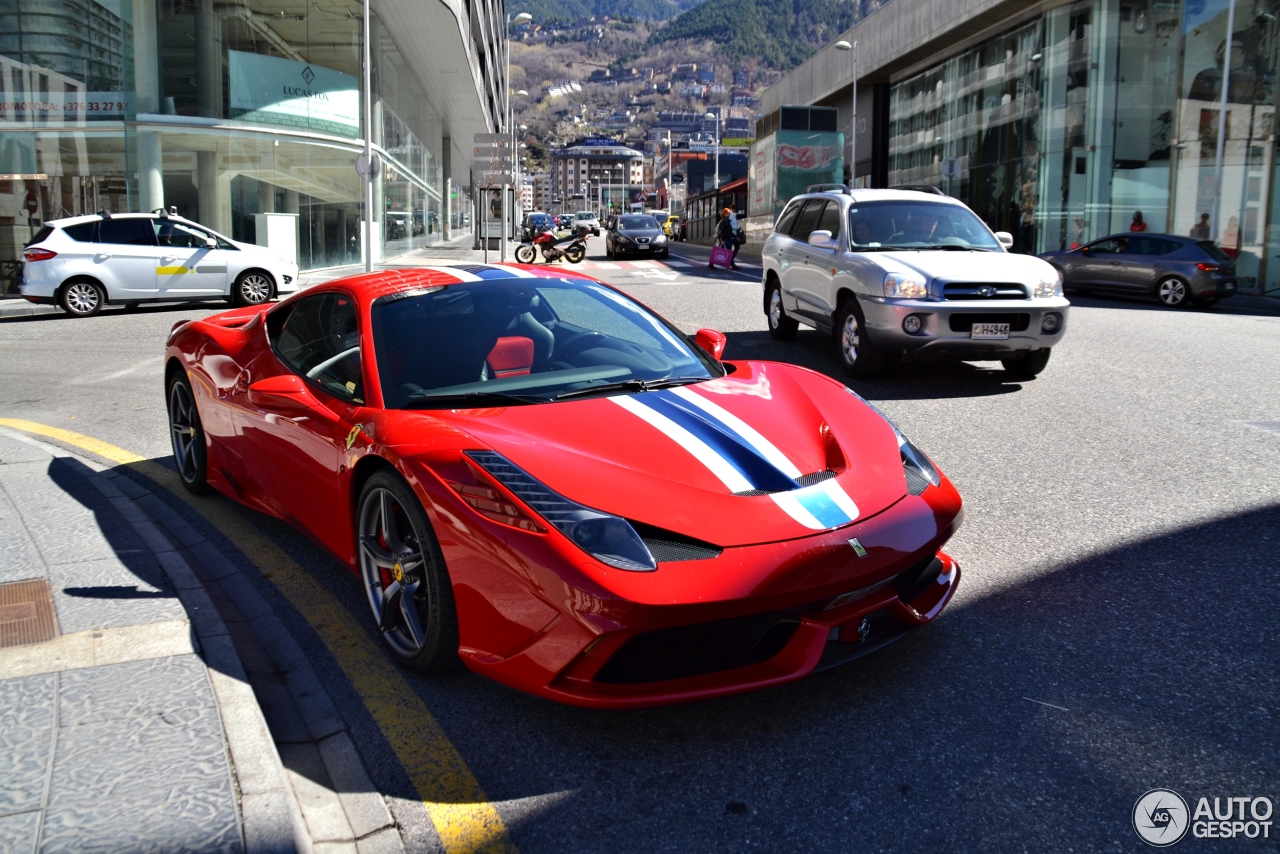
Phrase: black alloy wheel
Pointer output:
(187, 437)
(404, 576)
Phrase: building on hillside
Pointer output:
(543, 198)
(595, 170)
(693, 90)
(230, 111)
(527, 192)
(742, 78)
(707, 74)
(742, 98)
(685, 71)
(1060, 121)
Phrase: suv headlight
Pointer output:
(606, 537)
(905, 286)
(1049, 285)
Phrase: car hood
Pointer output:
(966, 266)
(708, 460)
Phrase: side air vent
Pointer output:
(668, 546)
(804, 480)
(916, 481)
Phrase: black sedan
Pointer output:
(636, 234)
(1178, 271)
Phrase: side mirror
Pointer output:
(287, 393)
(1085, 250)
(822, 240)
(1005, 239)
(210, 243)
(711, 341)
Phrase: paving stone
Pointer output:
(178, 571)
(313, 702)
(197, 817)
(335, 848)
(253, 754)
(13, 451)
(60, 514)
(271, 822)
(182, 747)
(253, 654)
(26, 733)
(171, 522)
(211, 563)
(127, 485)
(366, 810)
(277, 706)
(280, 645)
(204, 617)
(138, 688)
(248, 601)
(321, 809)
(101, 594)
(19, 559)
(18, 832)
(383, 842)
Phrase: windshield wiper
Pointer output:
(476, 398)
(952, 247)
(630, 385)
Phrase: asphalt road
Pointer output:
(1115, 629)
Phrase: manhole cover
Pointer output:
(26, 613)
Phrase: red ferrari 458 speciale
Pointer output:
(533, 473)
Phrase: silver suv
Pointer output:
(889, 272)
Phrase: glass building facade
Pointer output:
(230, 110)
(1067, 126)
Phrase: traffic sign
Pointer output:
(491, 137)
(364, 170)
(503, 164)
(491, 151)
(490, 179)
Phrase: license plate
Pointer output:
(989, 331)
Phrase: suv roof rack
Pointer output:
(823, 188)
(922, 188)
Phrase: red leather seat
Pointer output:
(512, 356)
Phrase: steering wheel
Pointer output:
(577, 344)
(330, 362)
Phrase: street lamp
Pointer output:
(716, 116)
(518, 20)
(853, 128)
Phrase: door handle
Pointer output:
(103, 255)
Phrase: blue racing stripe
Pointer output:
(485, 272)
(817, 502)
(755, 468)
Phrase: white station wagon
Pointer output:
(891, 272)
(83, 263)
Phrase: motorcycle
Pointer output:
(553, 248)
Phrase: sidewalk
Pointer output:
(126, 719)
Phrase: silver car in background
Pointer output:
(894, 272)
(1178, 271)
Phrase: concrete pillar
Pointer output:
(146, 87)
(290, 202)
(446, 202)
(208, 62)
(213, 184)
(379, 183)
(317, 236)
(266, 197)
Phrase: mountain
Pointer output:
(575, 10)
(778, 33)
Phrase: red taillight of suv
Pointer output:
(38, 254)
(1208, 268)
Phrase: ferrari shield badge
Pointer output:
(857, 547)
(354, 434)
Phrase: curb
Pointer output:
(271, 819)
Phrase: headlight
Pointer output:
(916, 465)
(1050, 285)
(607, 538)
(661, 238)
(905, 286)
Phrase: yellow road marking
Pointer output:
(463, 817)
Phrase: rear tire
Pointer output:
(574, 254)
(525, 254)
(399, 556)
(781, 327)
(1173, 292)
(82, 298)
(186, 435)
(252, 287)
(1029, 366)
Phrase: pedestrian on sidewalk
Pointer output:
(739, 236)
(726, 238)
(1138, 224)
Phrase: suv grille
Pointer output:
(963, 321)
(983, 291)
(695, 650)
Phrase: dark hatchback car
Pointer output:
(636, 234)
(1178, 271)
(536, 223)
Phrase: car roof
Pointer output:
(73, 220)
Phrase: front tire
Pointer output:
(525, 254)
(404, 576)
(1173, 292)
(1029, 366)
(781, 327)
(860, 359)
(186, 435)
(574, 254)
(252, 287)
(82, 299)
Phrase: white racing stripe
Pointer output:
(788, 502)
(702, 452)
(515, 271)
(745, 431)
(461, 275)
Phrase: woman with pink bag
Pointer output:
(722, 251)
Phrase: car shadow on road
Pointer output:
(1068, 692)
(120, 312)
(1227, 306)
(908, 380)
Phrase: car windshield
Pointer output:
(637, 222)
(881, 226)
(523, 341)
(586, 215)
